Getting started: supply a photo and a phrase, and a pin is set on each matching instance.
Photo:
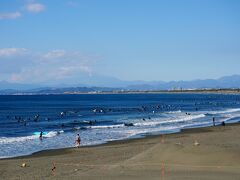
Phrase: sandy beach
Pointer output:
(204, 153)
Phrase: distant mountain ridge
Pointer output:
(223, 82)
(4, 85)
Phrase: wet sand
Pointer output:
(215, 155)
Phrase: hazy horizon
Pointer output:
(138, 80)
(70, 41)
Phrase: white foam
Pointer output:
(9, 140)
(51, 134)
(4, 157)
(225, 111)
(106, 127)
(149, 123)
(174, 112)
(181, 119)
(134, 132)
(188, 118)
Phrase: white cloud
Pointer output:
(12, 15)
(22, 65)
(30, 7)
(8, 52)
(55, 54)
(35, 7)
(79, 67)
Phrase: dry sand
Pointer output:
(217, 156)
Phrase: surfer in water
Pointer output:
(78, 141)
(41, 135)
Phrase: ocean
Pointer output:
(100, 118)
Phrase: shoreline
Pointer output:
(196, 91)
(59, 151)
(136, 137)
(206, 153)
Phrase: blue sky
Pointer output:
(64, 41)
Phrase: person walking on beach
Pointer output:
(213, 121)
(78, 141)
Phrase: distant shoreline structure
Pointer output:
(227, 91)
(200, 91)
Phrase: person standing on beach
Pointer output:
(78, 141)
(213, 121)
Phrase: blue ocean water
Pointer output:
(100, 118)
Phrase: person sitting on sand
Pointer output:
(78, 140)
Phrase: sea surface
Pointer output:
(100, 118)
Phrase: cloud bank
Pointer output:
(25, 66)
(9, 52)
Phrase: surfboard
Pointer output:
(38, 133)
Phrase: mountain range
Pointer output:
(106, 84)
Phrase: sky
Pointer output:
(53, 41)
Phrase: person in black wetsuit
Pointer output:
(41, 135)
